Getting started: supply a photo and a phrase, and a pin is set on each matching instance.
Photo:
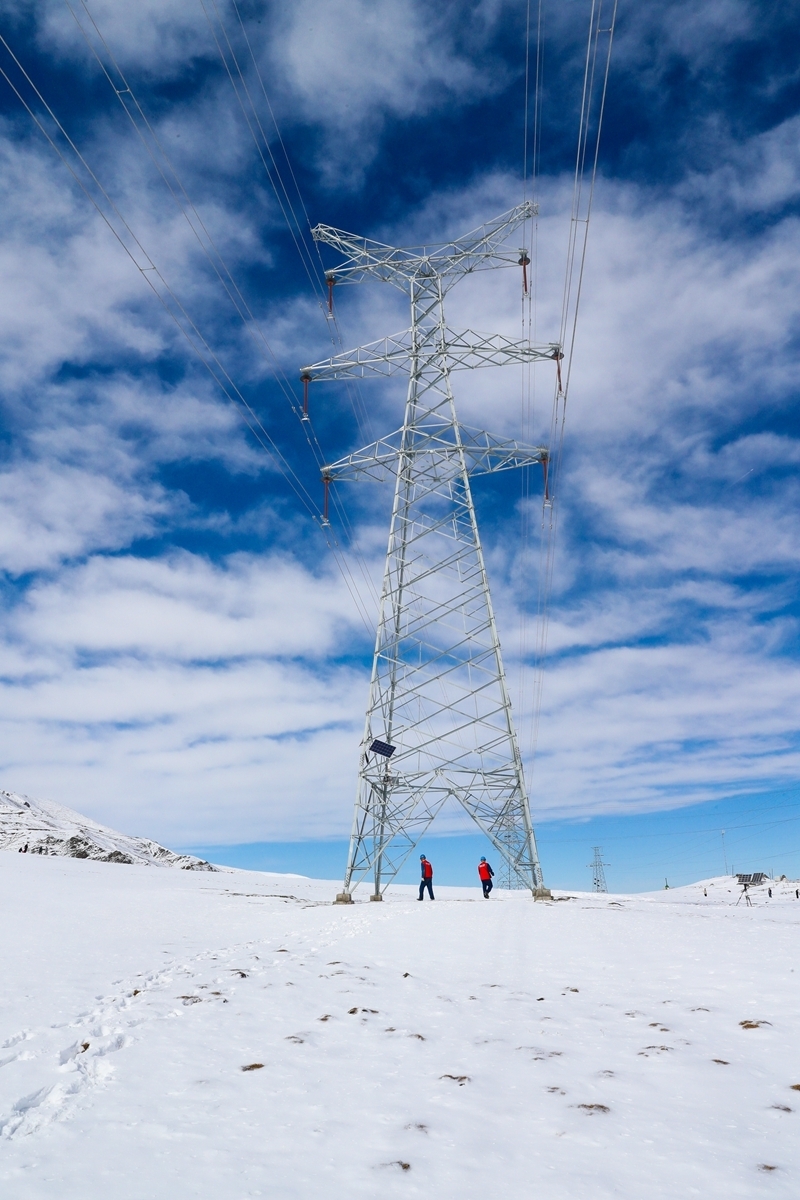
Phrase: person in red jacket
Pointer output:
(426, 871)
(485, 874)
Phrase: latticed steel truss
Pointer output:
(438, 691)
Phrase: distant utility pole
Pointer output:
(598, 874)
(724, 855)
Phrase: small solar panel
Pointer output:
(382, 748)
(752, 880)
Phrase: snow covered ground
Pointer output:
(171, 1034)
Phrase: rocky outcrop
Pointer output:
(45, 827)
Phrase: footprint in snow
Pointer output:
(33, 1112)
(24, 1036)
(72, 1052)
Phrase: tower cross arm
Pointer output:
(486, 454)
(470, 349)
(478, 249)
(453, 349)
(387, 356)
(483, 454)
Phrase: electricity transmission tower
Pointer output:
(439, 720)
(598, 874)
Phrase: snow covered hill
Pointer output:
(49, 828)
(166, 1035)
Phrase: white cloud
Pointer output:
(191, 697)
(650, 37)
(158, 36)
(81, 337)
(638, 728)
(351, 65)
(70, 291)
(760, 175)
(184, 608)
(52, 512)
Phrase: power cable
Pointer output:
(149, 271)
(529, 308)
(580, 215)
(142, 260)
(630, 837)
(282, 194)
(253, 123)
(188, 210)
(360, 410)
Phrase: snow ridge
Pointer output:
(49, 828)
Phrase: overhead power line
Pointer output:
(46, 120)
(597, 64)
(300, 230)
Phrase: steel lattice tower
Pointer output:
(438, 692)
(598, 873)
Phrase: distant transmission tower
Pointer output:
(439, 716)
(598, 874)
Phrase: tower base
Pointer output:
(542, 893)
(343, 898)
(377, 896)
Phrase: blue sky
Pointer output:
(181, 656)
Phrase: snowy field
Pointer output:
(171, 1034)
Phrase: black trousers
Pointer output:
(426, 883)
(487, 887)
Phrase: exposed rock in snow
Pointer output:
(49, 828)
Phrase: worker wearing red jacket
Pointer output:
(485, 874)
(426, 871)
